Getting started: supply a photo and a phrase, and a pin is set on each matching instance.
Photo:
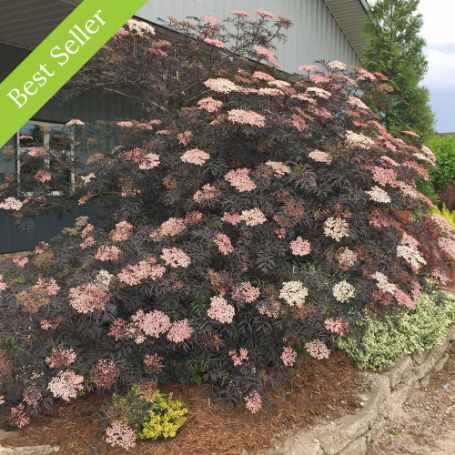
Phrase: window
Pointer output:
(45, 153)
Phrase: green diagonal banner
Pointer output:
(57, 59)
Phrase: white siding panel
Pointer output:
(315, 34)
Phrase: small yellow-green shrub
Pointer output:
(449, 215)
(165, 416)
(149, 413)
(377, 343)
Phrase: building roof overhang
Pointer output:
(351, 16)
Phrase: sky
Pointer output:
(439, 33)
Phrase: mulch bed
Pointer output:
(319, 390)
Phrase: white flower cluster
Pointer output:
(319, 92)
(354, 140)
(104, 278)
(427, 155)
(279, 83)
(377, 194)
(221, 85)
(336, 228)
(294, 293)
(140, 27)
(336, 65)
(343, 291)
(383, 283)
(411, 255)
(357, 102)
(66, 385)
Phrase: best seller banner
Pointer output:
(52, 64)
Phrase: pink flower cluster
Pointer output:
(337, 326)
(300, 247)
(268, 54)
(221, 85)
(105, 373)
(238, 359)
(244, 117)
(206, 193)
(66, 385)
(185, 138)
(88, 297)
(385, 176)
(75, 122)
(36, 152)
(42, 176)
(220, 310)
(175, 257)
(210, 104)
(170, 227)
(448, 246)
(153, 324)
(240, 13)
(153, 362)
(245, 292)
(261, 76)
(214, 42)
(108, 253)
(47, 286)
(231, 218)
(193, 218)
(288, 356)
(195, 156)
(31, 396)
(223, 242)
(180, 331)
(120, 435)
(133, 275)
(253, 217)
(21, 261)
(240, 179)
(149, 161)
(19, 416)
(320, 157)
(211, 21)
(121, 232)
(11, 203)
(265, 14)
(61, 358)
(280, 169)
(317, 349)
(346, 258)
(253, 402)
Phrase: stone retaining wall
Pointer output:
(389, 390)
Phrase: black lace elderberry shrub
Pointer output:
(233, 235)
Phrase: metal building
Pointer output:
(322, 29)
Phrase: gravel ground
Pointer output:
(427, 425)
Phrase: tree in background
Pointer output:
(395, 48)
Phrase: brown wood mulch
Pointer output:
(319, 390)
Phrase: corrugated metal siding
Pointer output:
(315, 34)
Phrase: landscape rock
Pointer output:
(387, 393)
(34, 450)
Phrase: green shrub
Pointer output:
(378, 343)
(149, 413)
(444, 212)
(444, 149)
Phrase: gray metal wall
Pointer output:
(314, 35)
(88, 107)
